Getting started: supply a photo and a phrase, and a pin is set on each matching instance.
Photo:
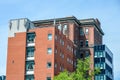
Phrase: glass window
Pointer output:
(29, 77)
(30, 66)
(61, 55)
(60, 27)
(49, 36)
(101, 77)
(102, 59)
(87, 54)
(86, 30)
(86, 43)
(95, 55)
(81, 32)
(55, 51)
(49, 64)
(48, 78)
(81, 43)
(100, 54)
(65, 29)
(60, 68)
(56, 37)
(62, 42)
(75, 52)
(55, 65)
(30, 52)
(49, 51)
(102, 65)
(30, 37)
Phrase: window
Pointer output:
(86, 43)
(75, 52)
(101, 65)
(60, 68)
(81, 55)
(81, 32)
(48, 78)
(56, 37)
(55, 65)
(96, 54)
(30, 52)
(60, 27)
(100, 54)
(49, 51)
(29, 77)
(62, 42)
(49, 36)
(30, 66)
(87, 54)
(61, 55)
(65, 29)
(49, 64)
(81, 43)
(86, 30)
(55, 51)
(30, 37)
(102, 59)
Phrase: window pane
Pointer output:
(60, 27)
(49, 36)
(29, 77)
(86, 31)
(65, 29)
(48, 78)
(49, 51)
(30, 51)
(86, 43)
(31, 37)
(95, 55)
(81, 32)
(81, 43)
(49, 65)
(30, 66)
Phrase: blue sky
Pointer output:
(107, 11)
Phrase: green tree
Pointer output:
(63, 76)
(82, 72)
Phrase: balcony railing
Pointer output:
(87, 46)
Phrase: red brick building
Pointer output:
(38, 50)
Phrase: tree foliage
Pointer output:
(82, 72)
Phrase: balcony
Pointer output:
(29, 58)
(30, 39)
(29, 67)
(29, 72)
(30, 44)
(86, 46)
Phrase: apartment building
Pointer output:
(38, 50)
(103, 58)
(2, 77)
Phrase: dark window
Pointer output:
(31, 37)
(30, 51)
(48, 78)
(30, 66)
(97, 60)
(81, 43)
(86, 43)
(29, 77)
(49, 64)
(81, 32)
(102, 59)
